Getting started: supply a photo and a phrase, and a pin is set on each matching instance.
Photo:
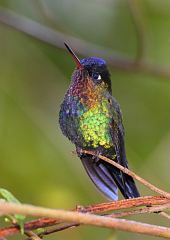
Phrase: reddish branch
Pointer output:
(86, 219)
(98, 208)
(154, 209)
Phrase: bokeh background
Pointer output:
(36, 161)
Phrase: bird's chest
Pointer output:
(87, 124)
(94, 125)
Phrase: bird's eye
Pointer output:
(96, 76)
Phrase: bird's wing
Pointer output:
(117, 133)
(128, 187)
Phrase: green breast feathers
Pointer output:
(95, 124)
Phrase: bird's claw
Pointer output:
(96, 158)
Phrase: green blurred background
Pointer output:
(36, 161)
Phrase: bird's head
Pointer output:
(92, 68)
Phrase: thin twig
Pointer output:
(97, 208)
(130, 173)
(32, 235)
(166, 215)
(86, 219)
(42, 7)
(154, 209)
(57, 228)
(139, 27)
(56, 38)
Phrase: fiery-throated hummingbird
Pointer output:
(91, 118)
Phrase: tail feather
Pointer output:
(100, 176)
(127, 187)
(107, 178)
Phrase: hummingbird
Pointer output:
(91, 118)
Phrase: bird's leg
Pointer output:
(79, 152)
(96, 158)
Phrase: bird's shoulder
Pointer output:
(115, 111)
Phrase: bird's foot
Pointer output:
(96, 158)
(79, 152)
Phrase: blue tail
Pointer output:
(108, 179)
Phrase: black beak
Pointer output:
(75, 58)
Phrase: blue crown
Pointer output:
(93, 61)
